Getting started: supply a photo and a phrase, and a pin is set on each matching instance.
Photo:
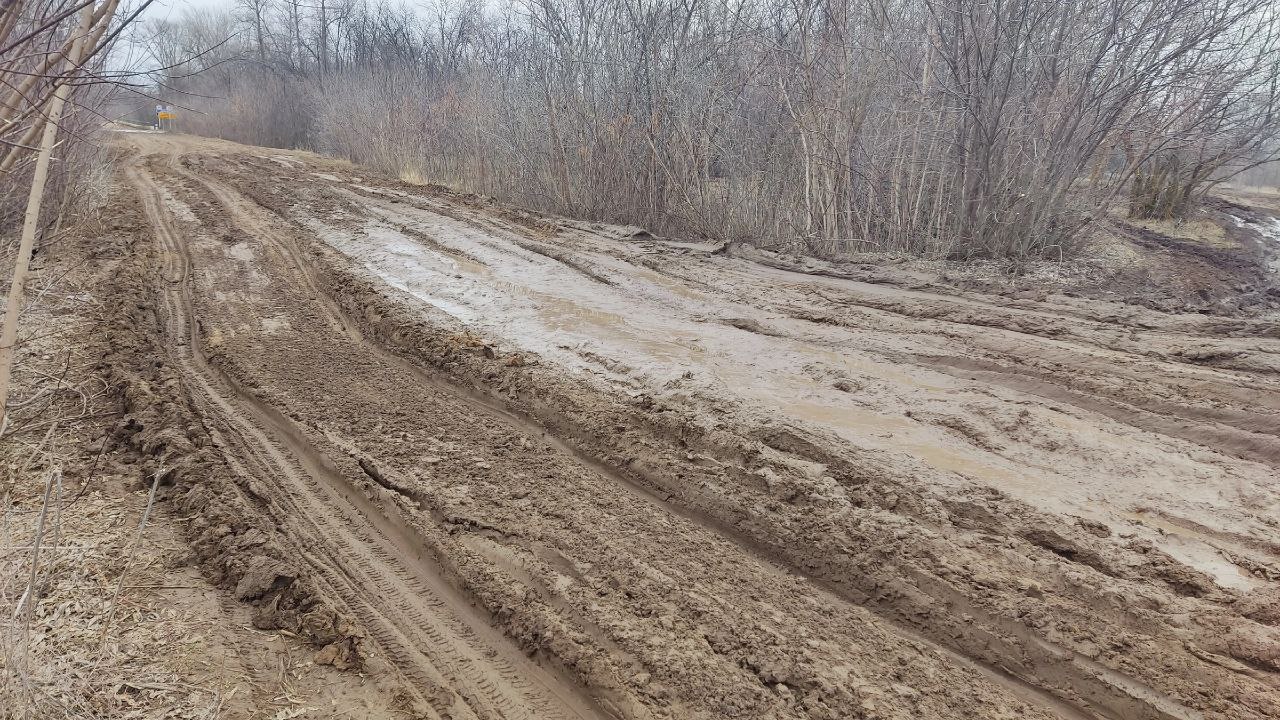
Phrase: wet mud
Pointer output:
(535, 467)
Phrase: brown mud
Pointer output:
(123, 621)
(530, 467)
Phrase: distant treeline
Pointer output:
(955, 128)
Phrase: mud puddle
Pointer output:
(649, 337)
(652, 332)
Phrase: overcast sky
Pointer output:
(165, 8)
(128, 55)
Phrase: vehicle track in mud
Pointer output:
(263, 414)
(270, 433)
(1091, 685)
(249, 218)
(266, 444)
(372, 565)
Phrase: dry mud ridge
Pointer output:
(515, 466)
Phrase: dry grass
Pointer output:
(1198, 230)
(1204, 230)
(413, 176)
(1249, 189)
(1256, 195)
(87, 629)
(92, 637)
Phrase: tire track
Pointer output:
(1102, 688)
(1049, 676)
(249, 215)
(427, 630)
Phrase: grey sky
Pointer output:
(128, 54)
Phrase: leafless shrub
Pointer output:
(51, 82)
(958, 128)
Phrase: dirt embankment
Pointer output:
(107, 598)
(243, 551)
(620, 497)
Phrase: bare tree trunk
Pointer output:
(13, 307)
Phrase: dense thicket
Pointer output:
(957, 128)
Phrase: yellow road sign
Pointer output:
(167, 115)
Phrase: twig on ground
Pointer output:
(115, 598)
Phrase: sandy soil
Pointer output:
(519, 466)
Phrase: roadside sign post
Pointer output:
(164, 113)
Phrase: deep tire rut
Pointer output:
(343, 491)
(1058, 672)
(425, 628)
(485, 405)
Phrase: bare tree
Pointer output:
(957, 129)
(48, 52)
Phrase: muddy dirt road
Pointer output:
(525, 467)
